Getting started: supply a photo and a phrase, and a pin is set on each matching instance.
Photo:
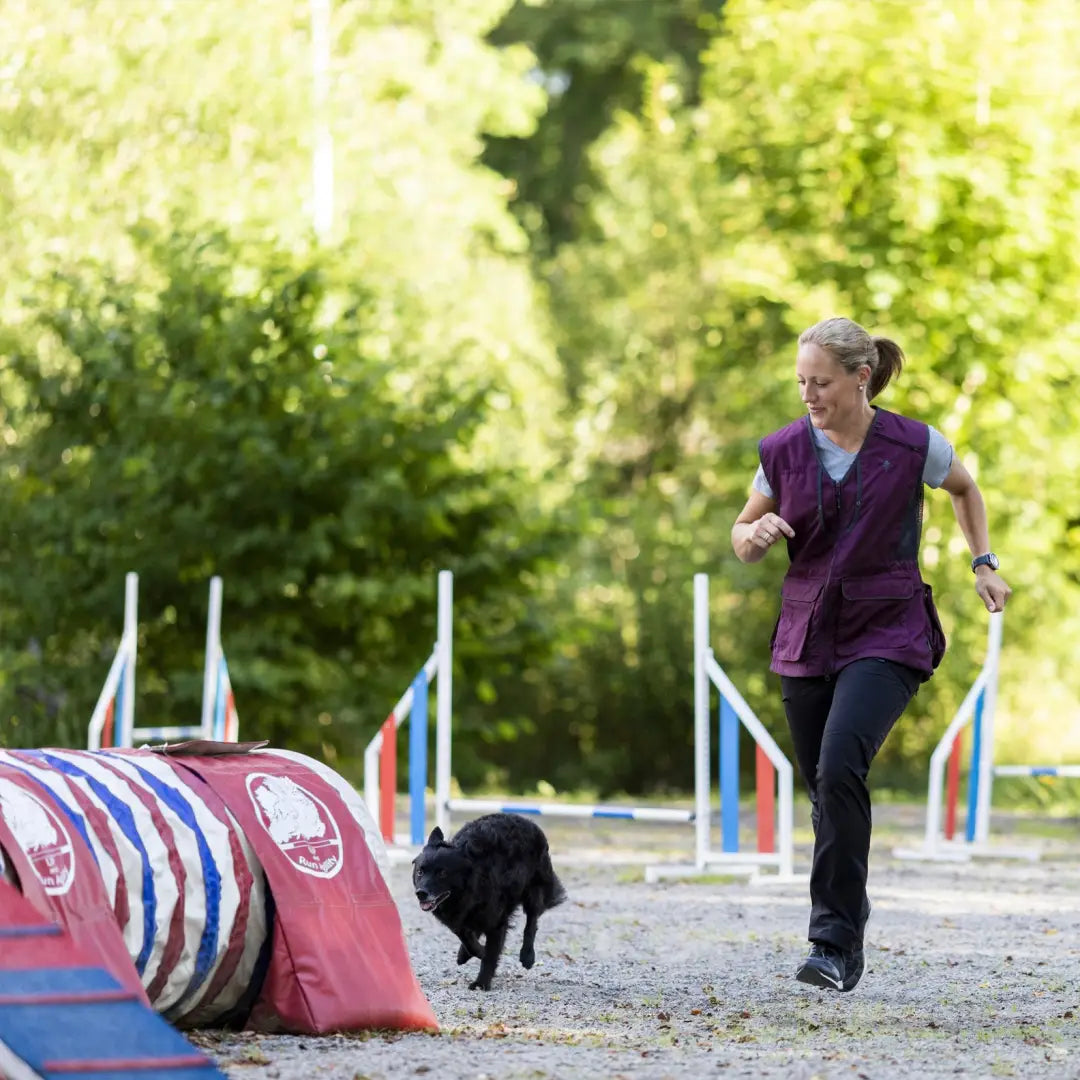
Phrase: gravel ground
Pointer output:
(973, 970)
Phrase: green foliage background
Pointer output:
(573, 244)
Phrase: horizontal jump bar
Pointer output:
(167, 732)
(573, 810)
(1037, 770)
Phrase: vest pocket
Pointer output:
(879, 611)
(798, 602)
(935, 636)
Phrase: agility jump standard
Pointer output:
(113, 719)
(977, 709)
(774, 772)
(380, 755)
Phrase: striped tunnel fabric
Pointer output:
(186, 887)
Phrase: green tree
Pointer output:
(223, 414)
(123, 117)
(919, 174)
(591, 57)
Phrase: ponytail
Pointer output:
(890, 359)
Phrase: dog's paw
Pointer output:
(527, 957)
(476, 984)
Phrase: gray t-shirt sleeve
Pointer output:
(761, 484)
(939, 458)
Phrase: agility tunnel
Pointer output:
(223, 884)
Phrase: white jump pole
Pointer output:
(702, 778)
(131, 636)
(213, 659)
(121, 677)
(444, 647)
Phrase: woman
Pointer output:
(857, 631)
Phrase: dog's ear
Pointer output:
(436, 837)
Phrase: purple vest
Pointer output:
(853, 589)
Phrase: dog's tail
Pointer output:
(554, 893)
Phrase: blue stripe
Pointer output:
(119, 734)
(729, 777)
(973, 775)
(418, 738)
(121, 814)
(625, 815)
(175, 801)
(1042, 770)
(73, 816)
(51, 930)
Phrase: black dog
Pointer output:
(475, 882)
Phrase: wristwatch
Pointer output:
(989, 559)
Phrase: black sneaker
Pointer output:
(824, 967)
(854, 965)
(855, 961)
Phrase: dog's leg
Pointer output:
(470, 947)
(532, 908)
(493, 946)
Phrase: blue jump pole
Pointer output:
(729, 776)
(973, 775)
(418, 725)
(120, 736)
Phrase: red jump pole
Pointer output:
(766, 802)
(388, 778)
(107, 727)
(952, 786)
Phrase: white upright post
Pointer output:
(444, 647)
(213, 658)
(131, 636)
(702, 784)
(986, 755)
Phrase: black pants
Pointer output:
(838, 724)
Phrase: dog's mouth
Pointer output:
(432, 902)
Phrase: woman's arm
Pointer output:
(970, 513)
(757, 528)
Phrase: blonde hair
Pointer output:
(851, 346)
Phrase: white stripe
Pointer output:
(194, 890)
(216, 834)
(255, 933)
(165, 887)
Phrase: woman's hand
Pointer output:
(992, 589)
(768, 529)
(757, 528)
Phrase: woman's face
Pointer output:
(830, 393)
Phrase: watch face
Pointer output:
(992, 561)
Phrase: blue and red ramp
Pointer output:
(61, 1016)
